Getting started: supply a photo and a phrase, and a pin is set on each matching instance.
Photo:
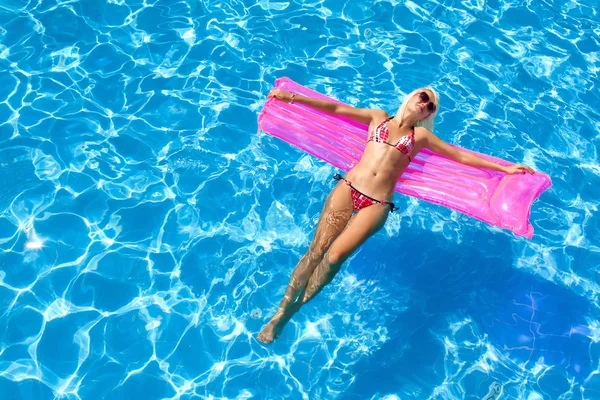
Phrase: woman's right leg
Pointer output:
(334, 217)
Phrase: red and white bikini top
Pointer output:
(405, 144)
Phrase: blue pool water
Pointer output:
(147, 231)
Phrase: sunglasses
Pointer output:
(424, 97)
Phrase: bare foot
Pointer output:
(268, 332)
(272, 330)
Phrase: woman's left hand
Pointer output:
(518, 169)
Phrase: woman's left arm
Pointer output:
(437, 145)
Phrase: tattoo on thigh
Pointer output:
(331, 224)
(338, 219)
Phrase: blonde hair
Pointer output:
(428, 122)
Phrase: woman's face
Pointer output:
(422, 104)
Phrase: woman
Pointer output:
(359, 204)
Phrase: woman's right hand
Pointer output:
(280, 95)
(518, 169)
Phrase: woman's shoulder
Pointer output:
(380, 116)
(422, 131)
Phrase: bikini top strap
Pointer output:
(384, 122)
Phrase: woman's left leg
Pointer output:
(363, 224)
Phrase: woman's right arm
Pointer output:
(362, 115)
